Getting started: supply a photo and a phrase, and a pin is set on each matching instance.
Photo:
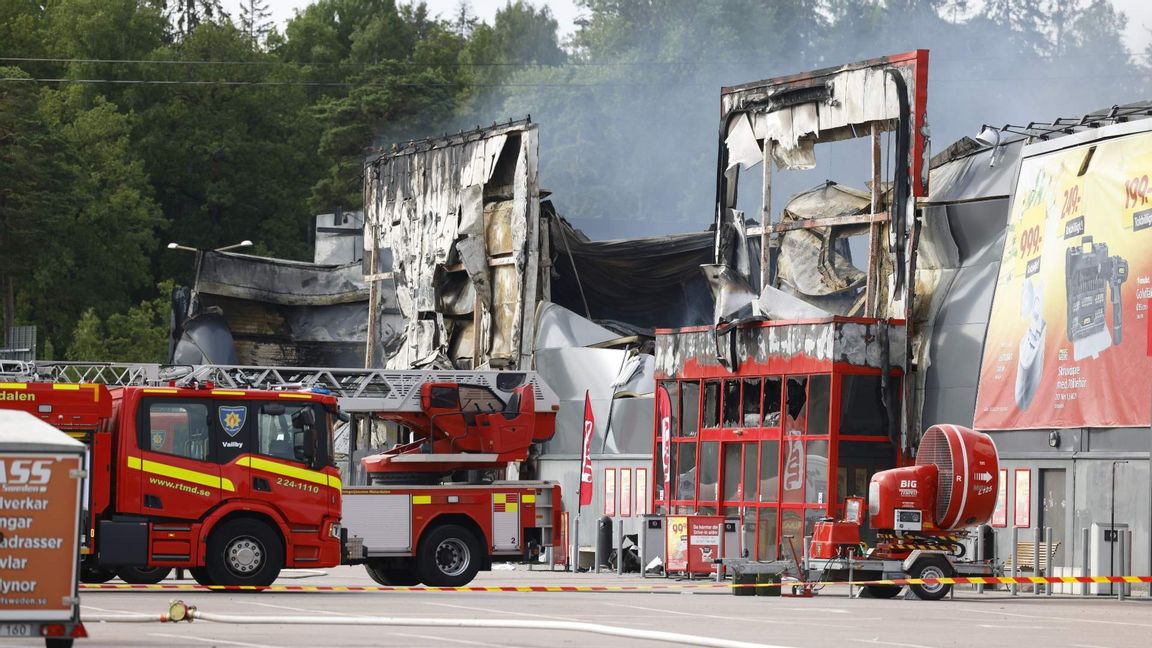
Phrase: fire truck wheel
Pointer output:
(882, 591)
(449, 556)
(200, 575)
(143, 575)
(392, 577)
(244, 552)
(931, 567)
(96, 575)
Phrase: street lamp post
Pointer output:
(1112, 525)
(241, 244)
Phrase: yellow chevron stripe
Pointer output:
(303, 474)
(65, 387)
(299, 396)
(160, 390)
(13, 386)
(182, 474)
(226, 392)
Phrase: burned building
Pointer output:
(486, 274)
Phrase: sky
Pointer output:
(1137, 35)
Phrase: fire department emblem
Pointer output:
(232, 419)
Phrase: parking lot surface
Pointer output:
(830, 619)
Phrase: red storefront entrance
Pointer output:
(799, 419)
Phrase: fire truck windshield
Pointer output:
(286, 431)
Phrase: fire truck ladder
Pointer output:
(358, 390)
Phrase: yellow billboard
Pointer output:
(1068, 337)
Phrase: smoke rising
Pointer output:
(629, 125)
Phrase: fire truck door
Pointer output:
(179, 476)
(281, 462)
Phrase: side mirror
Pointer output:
(309, 449)
(304, 419)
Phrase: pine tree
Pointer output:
(255, 21)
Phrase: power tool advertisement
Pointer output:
(1065, 345)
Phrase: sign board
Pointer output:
(610, 492)
(676, 544)
(704, 543)
(39, 535)
(1000, 513)
(1067, 343)
(625, 492)
(1023, 508)
(641, 491)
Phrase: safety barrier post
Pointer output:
(620, 547)
(1015, 560)
(1123, 538)
(851, 555)
(574, 553)
(642, 547)
(981, 554)
(1036, 556)
(1086, 555)
(596, 557)
(1049, 555)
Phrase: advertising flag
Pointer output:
(664, 416)
(585, 455)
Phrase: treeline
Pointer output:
(126, 124)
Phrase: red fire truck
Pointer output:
(429, 515)
(236, 483)
(232, 484)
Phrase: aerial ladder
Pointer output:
(454, 420)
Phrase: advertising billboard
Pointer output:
(39, 537)
(1066, 343)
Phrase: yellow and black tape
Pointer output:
(968, 580)
(957, 580)
(353, 588)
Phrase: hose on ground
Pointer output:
(179, 611)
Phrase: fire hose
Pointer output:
(179, 611)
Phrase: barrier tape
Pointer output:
(417, 588)
(1002, 580)
(956, 580)
(966, 580)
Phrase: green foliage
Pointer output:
(139, 334)
(30, 199)
(102, 244)
(255, 21)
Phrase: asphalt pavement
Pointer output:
(829, 619)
